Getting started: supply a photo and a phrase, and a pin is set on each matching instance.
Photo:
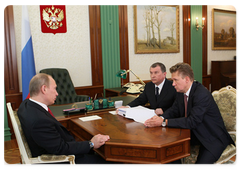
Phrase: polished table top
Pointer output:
(132, 142)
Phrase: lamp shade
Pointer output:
(122, 74)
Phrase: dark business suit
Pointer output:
(165, 98)
(45, 135)
(203, 119)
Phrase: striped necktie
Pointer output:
(185, 103)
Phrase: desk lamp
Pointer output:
(133, 88)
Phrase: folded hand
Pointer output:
(99, 140)
(153, 122)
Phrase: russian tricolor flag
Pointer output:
(28, 64)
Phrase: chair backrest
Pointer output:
(226, 101)
(21, 140)
(65, 88)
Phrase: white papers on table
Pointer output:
(89, 118)
(113, 112)
(139, 113)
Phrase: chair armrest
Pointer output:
(233, 135)
(54, 159)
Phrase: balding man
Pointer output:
(44, 134)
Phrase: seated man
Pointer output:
(44, 134)
(159, 92)
(195, 109)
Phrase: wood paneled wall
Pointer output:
(11, 82)
(123, 35)
(186, 34)
(96, 45)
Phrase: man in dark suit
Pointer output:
(159, 92)
(196, 111)
(44, 134)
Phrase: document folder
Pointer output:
(138, 114)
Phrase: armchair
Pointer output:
(65, 88)
(25, 152)
(226, 101)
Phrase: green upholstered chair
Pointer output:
(65, 88)
(225, 98)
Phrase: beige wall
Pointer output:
(69, 50)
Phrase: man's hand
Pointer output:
(159, 111)
(122, 107)
(154, 121)
(99, 140)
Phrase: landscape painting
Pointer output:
(156, 29)
(223, 30)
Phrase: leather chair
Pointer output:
(26, 155)
(226, 101)
(65, 88)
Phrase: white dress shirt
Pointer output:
(39, 103)
(160, 86)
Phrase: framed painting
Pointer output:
(223, 29)
(156, 28)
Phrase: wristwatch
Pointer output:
(164, 122)
(91, 144)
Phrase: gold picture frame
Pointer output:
(153, 23)
(223, 29)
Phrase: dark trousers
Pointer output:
(205, 157)
(90, 159)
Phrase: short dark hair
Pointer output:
(37, 82)
(184, 69)
(161, 65)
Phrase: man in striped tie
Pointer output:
(195, 109)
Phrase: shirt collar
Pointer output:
(39, 103)
(187, 93)
(160, 85)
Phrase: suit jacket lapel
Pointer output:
(189, 106)
(164, 91)
(152, 95)
(41, 109)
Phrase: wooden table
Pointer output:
(64, 119)
(132, 142)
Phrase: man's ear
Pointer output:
(43, 89)
(187, 79)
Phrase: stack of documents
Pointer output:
(138, 114)
(90, 118)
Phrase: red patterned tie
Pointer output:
(185, 103)
(49, 111)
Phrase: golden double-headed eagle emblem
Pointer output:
(52, 17)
